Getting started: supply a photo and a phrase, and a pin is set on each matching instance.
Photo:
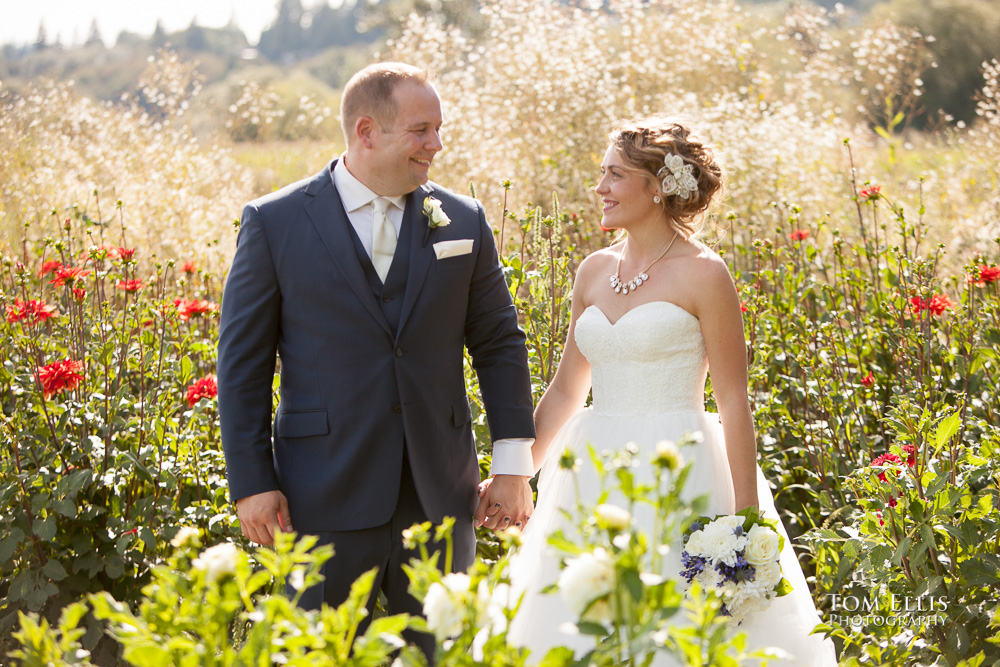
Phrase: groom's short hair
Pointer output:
(370, 93)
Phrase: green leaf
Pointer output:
(7, 547)
(148, 538)
(187, 369)
(633, 584)
(139, 467)
(114, 566)
(71, 615)
(65, 506)
(45, 529)
(594, 629)
(902, 550)
(148, 655)
(559, 541)
(53, 569)
(36, 598)
(879, 554)
(559, 656)
(946, 430)
(981, 570)
(783, 588)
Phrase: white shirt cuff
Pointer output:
(512, 456)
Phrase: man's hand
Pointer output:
(504, 501)
(262, 515)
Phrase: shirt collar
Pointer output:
(353, 192)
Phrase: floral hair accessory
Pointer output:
(677, 177)
(436, 217)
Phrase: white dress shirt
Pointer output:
(511, 456)
(358, 198)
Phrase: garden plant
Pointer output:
(866, 254)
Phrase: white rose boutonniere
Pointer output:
(436, 217)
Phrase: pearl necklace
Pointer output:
(624, 288)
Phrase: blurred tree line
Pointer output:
(966, 34)
(328, 43)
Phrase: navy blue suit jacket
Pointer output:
(352, 389)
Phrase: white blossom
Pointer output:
(187, 536)
(217, 561)
(720, 540)
(586, 578)
(612, 517)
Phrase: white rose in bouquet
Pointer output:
(768, 575)
(763, 545)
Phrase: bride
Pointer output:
(651, 316)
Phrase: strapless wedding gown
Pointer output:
(648, 373)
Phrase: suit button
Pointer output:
(399, 352)
(396, 407)
(386, 298)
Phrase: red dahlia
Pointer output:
(31, 311)
(67, 275)
(59, 376)
(936, 305)
(206, 387)
(130, 285)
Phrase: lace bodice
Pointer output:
(652, 360)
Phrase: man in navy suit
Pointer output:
(369, 303)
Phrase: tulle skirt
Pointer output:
(787, 622)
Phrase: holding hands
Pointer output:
(504, 501)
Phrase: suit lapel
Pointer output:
(420, 255)
(327, 214)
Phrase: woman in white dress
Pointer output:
(651, 315)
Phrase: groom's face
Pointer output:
(403, 153)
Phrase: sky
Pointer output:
(71, 19)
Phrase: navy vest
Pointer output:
(389, 295)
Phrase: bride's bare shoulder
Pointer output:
(704, 270)
(593, 272)
(700, 256)
(599, 262)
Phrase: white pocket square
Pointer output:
(452, 248)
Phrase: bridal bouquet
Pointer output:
(736, 556)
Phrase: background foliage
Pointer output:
(862, 238)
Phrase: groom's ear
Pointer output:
(365, 129)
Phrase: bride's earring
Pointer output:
(656, 199)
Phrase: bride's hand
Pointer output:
(504, 501)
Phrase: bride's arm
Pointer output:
(725, 345)
(564, 396)
(569, 388)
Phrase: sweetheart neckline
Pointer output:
(632, 310)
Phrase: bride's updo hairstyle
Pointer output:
(643, 145)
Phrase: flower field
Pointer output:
(866, 254)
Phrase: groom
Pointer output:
(369, 291)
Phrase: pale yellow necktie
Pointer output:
(383, 238)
